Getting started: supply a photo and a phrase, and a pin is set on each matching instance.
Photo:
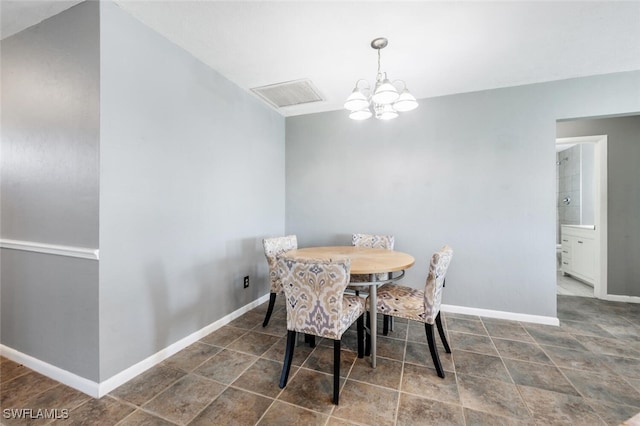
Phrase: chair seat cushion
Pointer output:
(352, 307)
(358, 278)
(355, 279)
(401, 301)
(364, 278)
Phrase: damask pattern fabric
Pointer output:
(417, 305)
(435, 281)
(371, 241)
(315, 299)
(401, 301)
(273, 247)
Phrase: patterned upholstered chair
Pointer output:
(418, 305)
(372, 241)
(317, 306)
(273, 247)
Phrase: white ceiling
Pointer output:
(438, 48)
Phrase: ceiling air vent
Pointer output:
(289, 93)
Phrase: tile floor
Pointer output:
(569, 286)
(585, 372)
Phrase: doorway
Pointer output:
(578, 204)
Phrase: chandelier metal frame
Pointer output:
(385, 100)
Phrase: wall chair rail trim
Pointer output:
(69, 251)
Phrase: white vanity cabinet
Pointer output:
(579, 252)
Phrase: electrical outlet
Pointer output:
(246, 281)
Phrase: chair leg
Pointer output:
(360, 330)
(367, 340)
(433, 349)
(442, 335)
(310, 339)
(288, 357)
(336, 371)
(385, 325)
(272, 302)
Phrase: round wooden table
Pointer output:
(364, 261)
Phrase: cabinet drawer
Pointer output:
(566, 252)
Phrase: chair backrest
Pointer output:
(373, 241)
(435, 281)
(273, 247)
(314, 291)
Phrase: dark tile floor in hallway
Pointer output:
(585, 372)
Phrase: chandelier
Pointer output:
(385, 101)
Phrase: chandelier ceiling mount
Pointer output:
(379, 43)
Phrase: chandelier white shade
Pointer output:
(385, 101)
(357, 100)
(360, 114)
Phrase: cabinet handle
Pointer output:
(565, 263)
(566, 241)
(565, 251)
(579, 242)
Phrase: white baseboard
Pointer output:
(139, 368)
(98, 390)
(537, 319)
(625, 299)
(63, 376)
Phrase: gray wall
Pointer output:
(49, 190)
(192, 179)
(50, 130)
(475, 171)
(113, 137)
(50, 309)
(623, 190)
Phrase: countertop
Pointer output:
(581, 226)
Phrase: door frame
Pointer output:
(600, 213)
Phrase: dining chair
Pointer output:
(317, 306)
(420, 305)
(371, 241)
(273, 247)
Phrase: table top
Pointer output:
(364, 260)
